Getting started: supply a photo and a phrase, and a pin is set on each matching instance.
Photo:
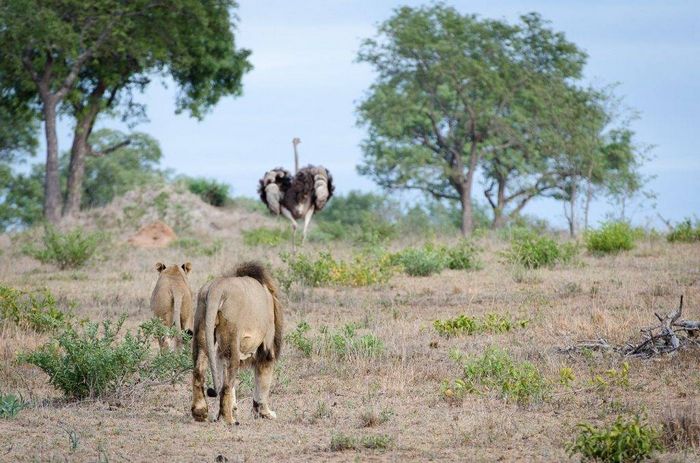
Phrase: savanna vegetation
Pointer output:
(446, 329)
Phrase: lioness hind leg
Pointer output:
(200, 410)
(261, 396)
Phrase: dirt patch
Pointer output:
(154, 235)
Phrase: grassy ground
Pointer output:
(385, 406)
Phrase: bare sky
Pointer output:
(306, 84)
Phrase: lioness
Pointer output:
(238, 323)
(171, 300)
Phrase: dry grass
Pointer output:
(389, 407)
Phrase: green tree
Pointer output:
(125, 168)
(446, 84)
(86, 56)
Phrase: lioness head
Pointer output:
(186, 268)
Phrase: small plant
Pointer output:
(263, 236)
(345, 343)
(370, 417)
(11, 405)
(566, 376)
(299, 340)
(612, 237)
(613, 377)
(496, 371)
(66, 250)
(626, 440)
(463, 324)
(340, 442)
(209, 190)
(90, 363)
(423, 261)
(36, 310)
(684, 232)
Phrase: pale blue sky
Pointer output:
(306, 84)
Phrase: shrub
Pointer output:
(463, 324)
(684, 232)
(209, 190)
(497, 371)
(463, 256)
(36, 310)
(340, 442)
(264, 236)
(362, 270)
(533, 251)
(611, 238)
(624, 441)
(88, 363)
(66, 250)
(10, 405)
(421, 261)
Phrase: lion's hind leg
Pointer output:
(200, 410)
(228, 406)
(264, 370)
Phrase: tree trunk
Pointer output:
(499, 216)
(589, 197)
(52, 183)
(467, 211)
(85, 121)
(572, 205)
(76, 171)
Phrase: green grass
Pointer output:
(11, 405)
(498, 373)
(684, 232)
(36, 310)
(533, 250)
(340, 442)
(71, 249)
(263, 236)
(324, 270)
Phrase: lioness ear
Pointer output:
(187, 267)
(160, 267)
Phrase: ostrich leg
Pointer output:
(288, 214)
(307, 220)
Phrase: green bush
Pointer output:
(66, 250)
(463, 324)
(423, 261)
(463, 256)
(533, 250)
(263, 236)
(624, 441)
(684, 232)
(211, 191)
(36, 310)
(10, 405)
(497, 371)
(362, 270)
(611, 238)
(89, 363)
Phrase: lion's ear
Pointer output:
(160, 267)
(187, 267)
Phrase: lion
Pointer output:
(237, 324)
(171, 300)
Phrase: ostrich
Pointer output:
(296, 196)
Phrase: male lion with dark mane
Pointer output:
(238, 323)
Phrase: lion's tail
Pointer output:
(213, 303)
(257, 271)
